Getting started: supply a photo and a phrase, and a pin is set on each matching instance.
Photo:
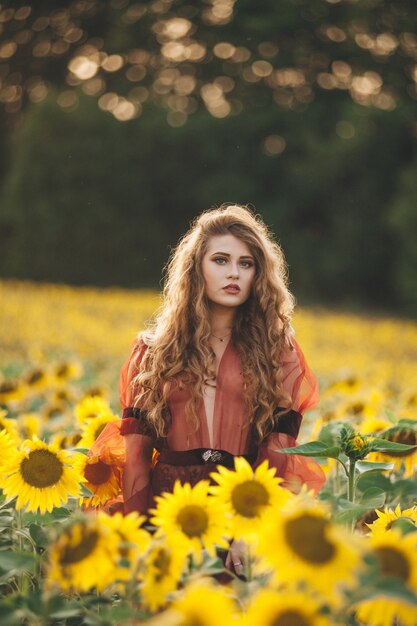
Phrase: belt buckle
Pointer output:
(211, 456)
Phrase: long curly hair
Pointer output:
(178, 337)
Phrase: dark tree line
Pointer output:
(122, 120)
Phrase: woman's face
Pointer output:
(228, 268)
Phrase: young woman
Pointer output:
(219, 374)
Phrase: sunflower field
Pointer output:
(346, 557)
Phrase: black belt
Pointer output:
(201, 456)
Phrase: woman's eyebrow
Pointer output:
(244, 256)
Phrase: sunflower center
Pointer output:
(76, 437)
(357, 408)
(97, 473)
(41, 469)
(62, 371)
(81, 550)
(290, 618)
(249, 498)
(7, 386)
(306, 536)
(34, 377)
(193, 520)
(392, 562)
(161, 562)
(408, 437)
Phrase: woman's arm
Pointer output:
(138, 442)
(136, 473)
(301, 384)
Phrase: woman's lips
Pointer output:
(231, 289)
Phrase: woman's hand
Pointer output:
(237, 556)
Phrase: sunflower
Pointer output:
(194, 515)
(36, 380)
(93, 427)
(387, 519)
(7, 448)
(100, 479)
(396, 556)
(248, 495)
(9, 426)
(53, 410)
(372, 425)
(66, 371)
(313, 549)
(346, 386)
(385, 612)
(10, 390)
(67, 440)
(273, 608)
(89, 407)
(205, 604)
(162, 568)
(408, 459)
(63, 394)
(40, 475)
(30, 424)
(133, 542)
(95, 391)
(85, 555)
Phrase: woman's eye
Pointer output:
(246, 264)
(219, 258)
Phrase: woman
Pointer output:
(220, 373)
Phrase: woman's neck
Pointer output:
(221, 319)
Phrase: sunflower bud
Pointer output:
(353, 444)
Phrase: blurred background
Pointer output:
(122, 120)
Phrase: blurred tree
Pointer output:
(223, 55)
(403, 220)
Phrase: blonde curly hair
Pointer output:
(178, 336)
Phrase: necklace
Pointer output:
(220, 338)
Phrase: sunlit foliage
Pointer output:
(217, 54)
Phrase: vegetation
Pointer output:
(60, 362)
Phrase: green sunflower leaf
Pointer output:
(374, 479)
(405, 487)
(368, 466)
(391, 416)
(13, 562)
(85, 491)
(313, 448)
(408, 423)
(404, 525)
(330, 433)
(383, 445)
(373, 498)
(394, 587)
(38, 535)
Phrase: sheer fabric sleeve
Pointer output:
(301, 384)
(129, 457)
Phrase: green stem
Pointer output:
(19, 526)
(344, 467)
(351, 481)
(336, 480)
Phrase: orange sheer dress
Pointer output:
(231, 432)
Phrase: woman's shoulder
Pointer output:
(289, 346)
(144, 339)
